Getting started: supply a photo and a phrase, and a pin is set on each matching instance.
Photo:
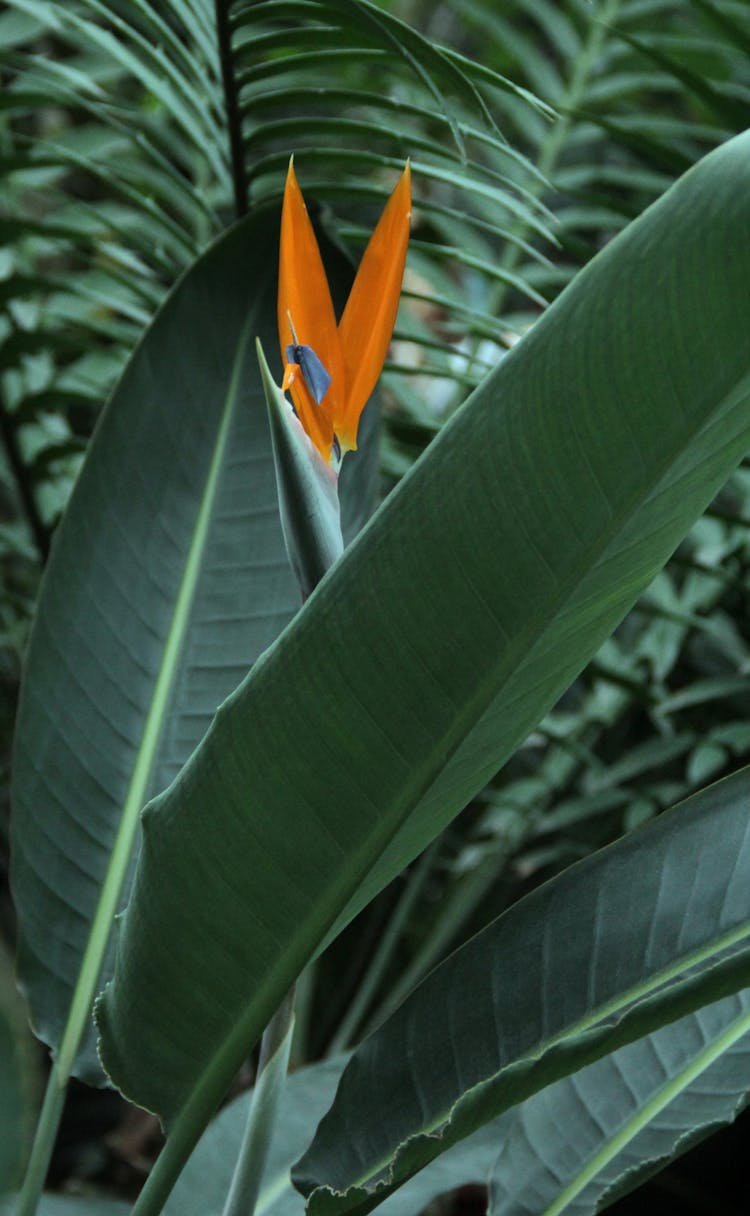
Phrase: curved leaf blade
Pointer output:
(124, 669)
(621, 943)
(168, 578)
(538, 515)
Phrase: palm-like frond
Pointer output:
(642, 89)
(114, 179)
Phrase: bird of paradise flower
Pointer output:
(331, 369)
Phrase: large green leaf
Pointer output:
(654, 926)
(423, 658)
(579, 1144)
(168, 578)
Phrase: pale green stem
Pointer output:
(302, 1014)
(83, 997)
(44, 1142)
(262, 1115)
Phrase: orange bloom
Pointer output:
(331, 370)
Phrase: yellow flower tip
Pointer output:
(353, 352)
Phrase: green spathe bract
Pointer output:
(463, 611)
(307, 488)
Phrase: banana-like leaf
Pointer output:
(168, 578)
(580, 1144)
(627, 940)
(424, 657)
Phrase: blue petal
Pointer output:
(316, 376)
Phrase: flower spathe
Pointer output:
(313, 346)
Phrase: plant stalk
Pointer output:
(44, 1142)
(263, 1113)
(302, 1013)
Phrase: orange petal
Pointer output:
(305, 296)
(370, 314)
(313, 417)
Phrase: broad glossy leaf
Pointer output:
(445, 632)
(578, 1145)
(168, 578)
(614, 947)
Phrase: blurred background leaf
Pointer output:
(19, 1069)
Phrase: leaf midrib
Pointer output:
(653, 1107)
(595, 1019)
